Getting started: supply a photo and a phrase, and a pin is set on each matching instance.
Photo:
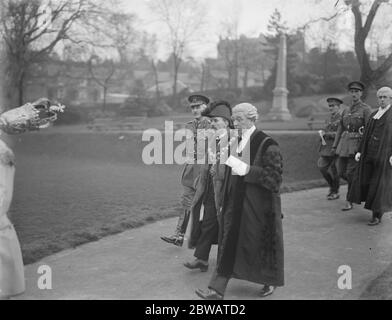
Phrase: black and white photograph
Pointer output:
(195, 150)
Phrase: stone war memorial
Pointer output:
(280, 111)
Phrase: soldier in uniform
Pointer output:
(198, 104)
(327, 160)
(349, 134)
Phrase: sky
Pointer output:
(253, 18)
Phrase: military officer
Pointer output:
(198, 103)
(348, 137)
(327, 160)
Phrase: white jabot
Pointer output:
(246, 134)
(381, 112)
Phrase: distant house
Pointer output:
(72, 82)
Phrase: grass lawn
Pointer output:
(72, 189)
(60, 203)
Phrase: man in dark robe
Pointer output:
(250, 220)
(372, 183)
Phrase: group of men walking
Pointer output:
(237, 205)
(233, 203)
(356, 146)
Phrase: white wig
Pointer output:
(385, 91)
(249, 110)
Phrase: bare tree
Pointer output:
(32, 29)
(149, 49)
(183, 20)
(102, 75)
(229, 43)
(369, 75)
(365, 13)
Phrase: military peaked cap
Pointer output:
(358, 85)
(198, 99)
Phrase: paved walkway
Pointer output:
(136, 264)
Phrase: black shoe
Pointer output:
(197, 264)
(209, 294)
(169, 239)
(179, 241)
(267, 291)
(333, 196)
(374, 222)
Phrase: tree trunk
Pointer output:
(203, 74)
(236, 68)
(176, 68)
(245, 79)
(156, 80)
(21, 89)
(105, 89)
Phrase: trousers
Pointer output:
(327, 167)
(346, 169)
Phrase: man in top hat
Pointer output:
(348, 137)
(198, 103)
(208, 198)
(372, 183)
(327, 160)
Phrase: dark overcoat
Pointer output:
(250, 235)
(201, 188)
(383, 194)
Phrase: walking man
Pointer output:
(208, 198)
(327, 160)
(373, 182)
(348, 137)
(250, 234)
(198, 104)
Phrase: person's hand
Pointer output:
(241, 171)
(358, 157)
(321, 132)
(333, 151)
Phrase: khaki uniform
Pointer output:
(327, 160)
(348, 138)
(191, 170)
(349, 135)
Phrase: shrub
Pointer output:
(306, 111)
(135, 107)
(72, 115)
(335, 84)
(160, 109)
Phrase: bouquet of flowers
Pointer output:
(31, 116)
